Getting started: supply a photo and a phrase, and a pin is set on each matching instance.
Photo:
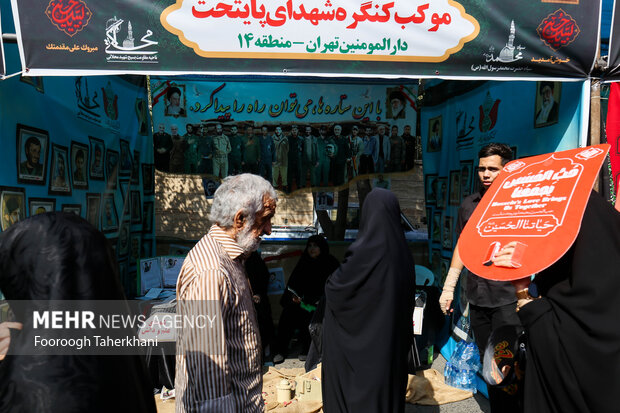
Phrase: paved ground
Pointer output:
(476, 404)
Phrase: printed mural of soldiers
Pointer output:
(341, 157)
(280, 167)
(177, 153)
(295, 149)
(326, 152)
(267, 155)
(205, 150)
(221, 149)
(411, 148)
(397, 151)
(309, 157)
(162, 142)
(235, 157)
(368, 160)
(356, 147)
(192, 157)
(251, 151)
(384, 149)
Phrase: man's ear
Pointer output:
(239, 220)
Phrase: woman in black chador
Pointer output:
(573, 332)
(303, 292)
(60, 256)
(367, 329)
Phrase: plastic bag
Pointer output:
(461, 369)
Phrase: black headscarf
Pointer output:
(573, 354)
(367, 330)
(309, 276)
(60, 256)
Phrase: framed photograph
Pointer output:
(547, 104)
(135, 168)
(446, 233)
(455, 188)
(436, 234)
(467, 176)
(148, 178)
(34, 81)
(136, 208)
(93, 205)
(109, 216)
(430, 187)
(75, 208)
(435, 134)
(60, 183)
(111, 168)
(32, 149)
(12, 205)
(79, 160)
(125, 159)
(124, 189)
(147, 217)
(442, 192)
(175, 101)
(123, 240)
(396, 103)
(97, 153)
(135, 248)
(40, 206)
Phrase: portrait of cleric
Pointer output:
(547, 103)
(31, 155)
(396, 104)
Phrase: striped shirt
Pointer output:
(217, 370)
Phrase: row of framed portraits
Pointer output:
(74, 167)
(101, 209)
(441, 228)
(443, 191)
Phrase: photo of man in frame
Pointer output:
(455, 188)
(32, 148)
(93, 202)
(547, 106)
(435, 131)
(41, 205)
(111, 168)
(446, 233)
(175, 101)
(12, 206)
(79, 160)
(109, 216)
(60, 183)
(97, 151)
(397, 104)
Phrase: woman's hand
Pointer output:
(5, 336)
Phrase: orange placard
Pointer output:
(538, 202)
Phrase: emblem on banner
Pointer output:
(69, 16)
(488, 113)
(558, 29)
(128, 49)
(110, 102)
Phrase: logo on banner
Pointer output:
(129, 49)
(488, 113)
(88, 104)
(69, 16)
(558, 29)
(110, 106)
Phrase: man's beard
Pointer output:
(246, 239)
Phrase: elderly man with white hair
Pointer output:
(218, 365)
